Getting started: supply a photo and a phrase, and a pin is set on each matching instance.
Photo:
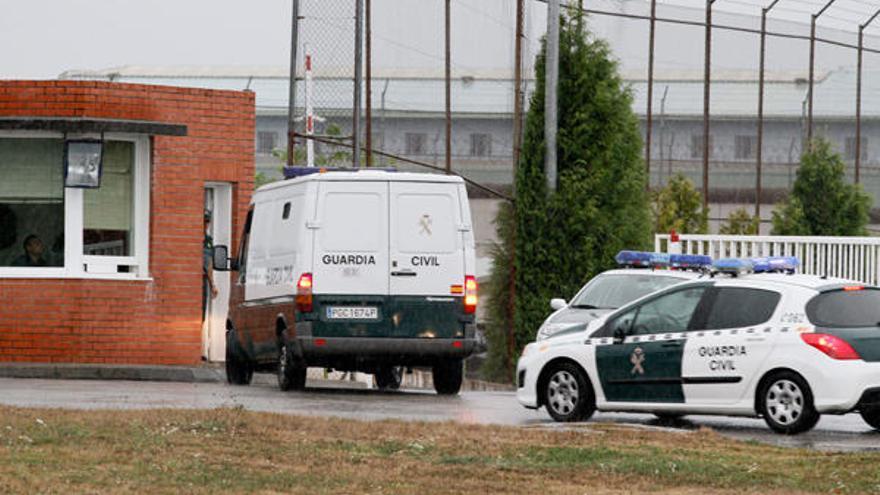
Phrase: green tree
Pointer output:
(679, 207)
(822, 202)
(600, 206)
(740, 222)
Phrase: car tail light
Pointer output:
(304, 293)
(834, 347)
(470, 294)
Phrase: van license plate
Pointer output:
(352, 313)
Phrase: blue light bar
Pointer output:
(690, 261)
(784, 264)
(642, 259)
(777, 264)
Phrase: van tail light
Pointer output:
(470, 294)
(834, 347)
(304, 293)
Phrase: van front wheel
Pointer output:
(448, 377)
(389, 377)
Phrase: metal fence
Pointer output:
(854, 258)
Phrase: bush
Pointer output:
(822, 202)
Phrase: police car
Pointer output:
(749, 339)
(640, 274)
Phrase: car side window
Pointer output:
(670, 313)
(243, 249)
(738, 307)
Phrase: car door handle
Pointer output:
(674, 343)
(403, 274)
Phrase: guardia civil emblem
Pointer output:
(425, 223)
(637, 358)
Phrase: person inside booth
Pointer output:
(33, 253)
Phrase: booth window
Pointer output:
(108, 211)
(52, 231)
(31, 203)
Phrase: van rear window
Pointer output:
(845, 308)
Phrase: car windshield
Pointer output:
(611, 291)
(845, 308)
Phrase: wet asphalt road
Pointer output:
(833, 433)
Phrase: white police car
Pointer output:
(641, 273)
(781, 346)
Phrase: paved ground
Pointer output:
(838, 433)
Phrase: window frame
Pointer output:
(77, 264)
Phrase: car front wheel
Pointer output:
(786, 403)
(567, 394)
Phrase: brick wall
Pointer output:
(135, 322)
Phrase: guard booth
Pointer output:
(103, 193)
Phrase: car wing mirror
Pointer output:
(556, 304)
(221, 258)
(619, 334)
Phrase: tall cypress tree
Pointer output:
(600, 206)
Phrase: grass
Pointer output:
(232, 450)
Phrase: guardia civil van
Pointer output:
(784, 347)
(365, 271)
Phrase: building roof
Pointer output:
(734, 93)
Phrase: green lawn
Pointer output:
(231, 450)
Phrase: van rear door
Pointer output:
(351, 240)
(427, 243)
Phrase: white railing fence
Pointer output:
(854, 258)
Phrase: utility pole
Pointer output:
(291, 97)
(551, 83)
(649, 120)
(369, 82)
(760, 151)
(517, 149)
(813, 19)
(358, 59)
(707, 77)
(448, 62)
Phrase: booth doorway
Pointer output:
(218, 201)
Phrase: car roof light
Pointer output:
(690, 261)
(783, 264)
(642, 259)
(732, 266)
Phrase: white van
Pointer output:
(367, 271)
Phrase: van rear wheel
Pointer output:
(871, 415)
(389, 377)
(448, 377)
(291, 376)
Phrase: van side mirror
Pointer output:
(221, 258)
(556, 304)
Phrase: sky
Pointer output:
(43, 38)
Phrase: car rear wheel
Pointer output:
(291, 376)
(871, 415)
(389, 377)
(567, 394)
(448, 377)
(238, 370)
(786, 403)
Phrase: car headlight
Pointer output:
(550, 329)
